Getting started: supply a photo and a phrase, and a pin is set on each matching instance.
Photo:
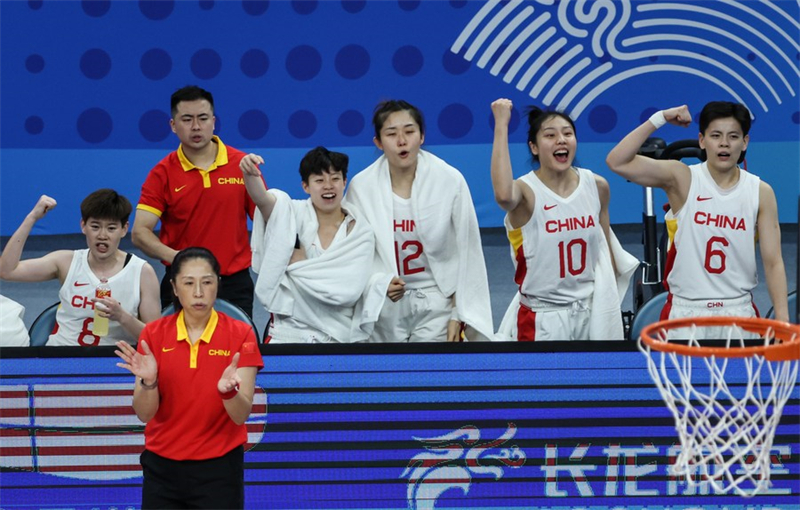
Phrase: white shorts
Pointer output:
(285, 330)
(421, 315)
(688, 308)
(539, 320)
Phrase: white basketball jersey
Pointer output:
(714, 243)
(556, 251)
(412, 263)
(75, 316)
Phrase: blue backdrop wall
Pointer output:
(86, 84)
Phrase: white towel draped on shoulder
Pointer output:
(609, 290)
(448, 228)
(13, 332)
(605, 322)
(334, 292)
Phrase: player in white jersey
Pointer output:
(134, 298)
(557, 223)
(426, 233)
(313, 295)
(424, 312)
(77, 296)
(720, 209)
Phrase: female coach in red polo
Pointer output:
(195, 379)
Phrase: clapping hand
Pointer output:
(142, 365)
(230, 378)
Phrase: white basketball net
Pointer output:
(725, 430)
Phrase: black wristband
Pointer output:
(148, 386)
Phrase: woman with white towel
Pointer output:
(427, 236)
(310, 255)
(557, 224)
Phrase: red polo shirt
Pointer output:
(191, 422)
(197, 207)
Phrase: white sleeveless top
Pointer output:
(75, 316)
(311, 242)
(412, 262)
(556, 251)
(714, 244)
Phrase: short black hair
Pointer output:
(722, 110)
(319, 160)
(386, 108)
(106, 204)
(189, 93)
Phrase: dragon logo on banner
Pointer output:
(449, 462)
(568, 53)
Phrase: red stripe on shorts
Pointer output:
(526, 324)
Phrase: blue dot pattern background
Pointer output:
(289, 75)
(286, 70)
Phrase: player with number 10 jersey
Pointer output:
(557, 224)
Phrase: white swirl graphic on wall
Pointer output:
(565, 54)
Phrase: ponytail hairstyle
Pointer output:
(537, 117)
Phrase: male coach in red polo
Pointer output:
(197, 193)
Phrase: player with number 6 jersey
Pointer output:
(558, 227)
(712, 221)
(717, 211)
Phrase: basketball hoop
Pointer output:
(726, 427)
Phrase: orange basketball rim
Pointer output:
(783, 338)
